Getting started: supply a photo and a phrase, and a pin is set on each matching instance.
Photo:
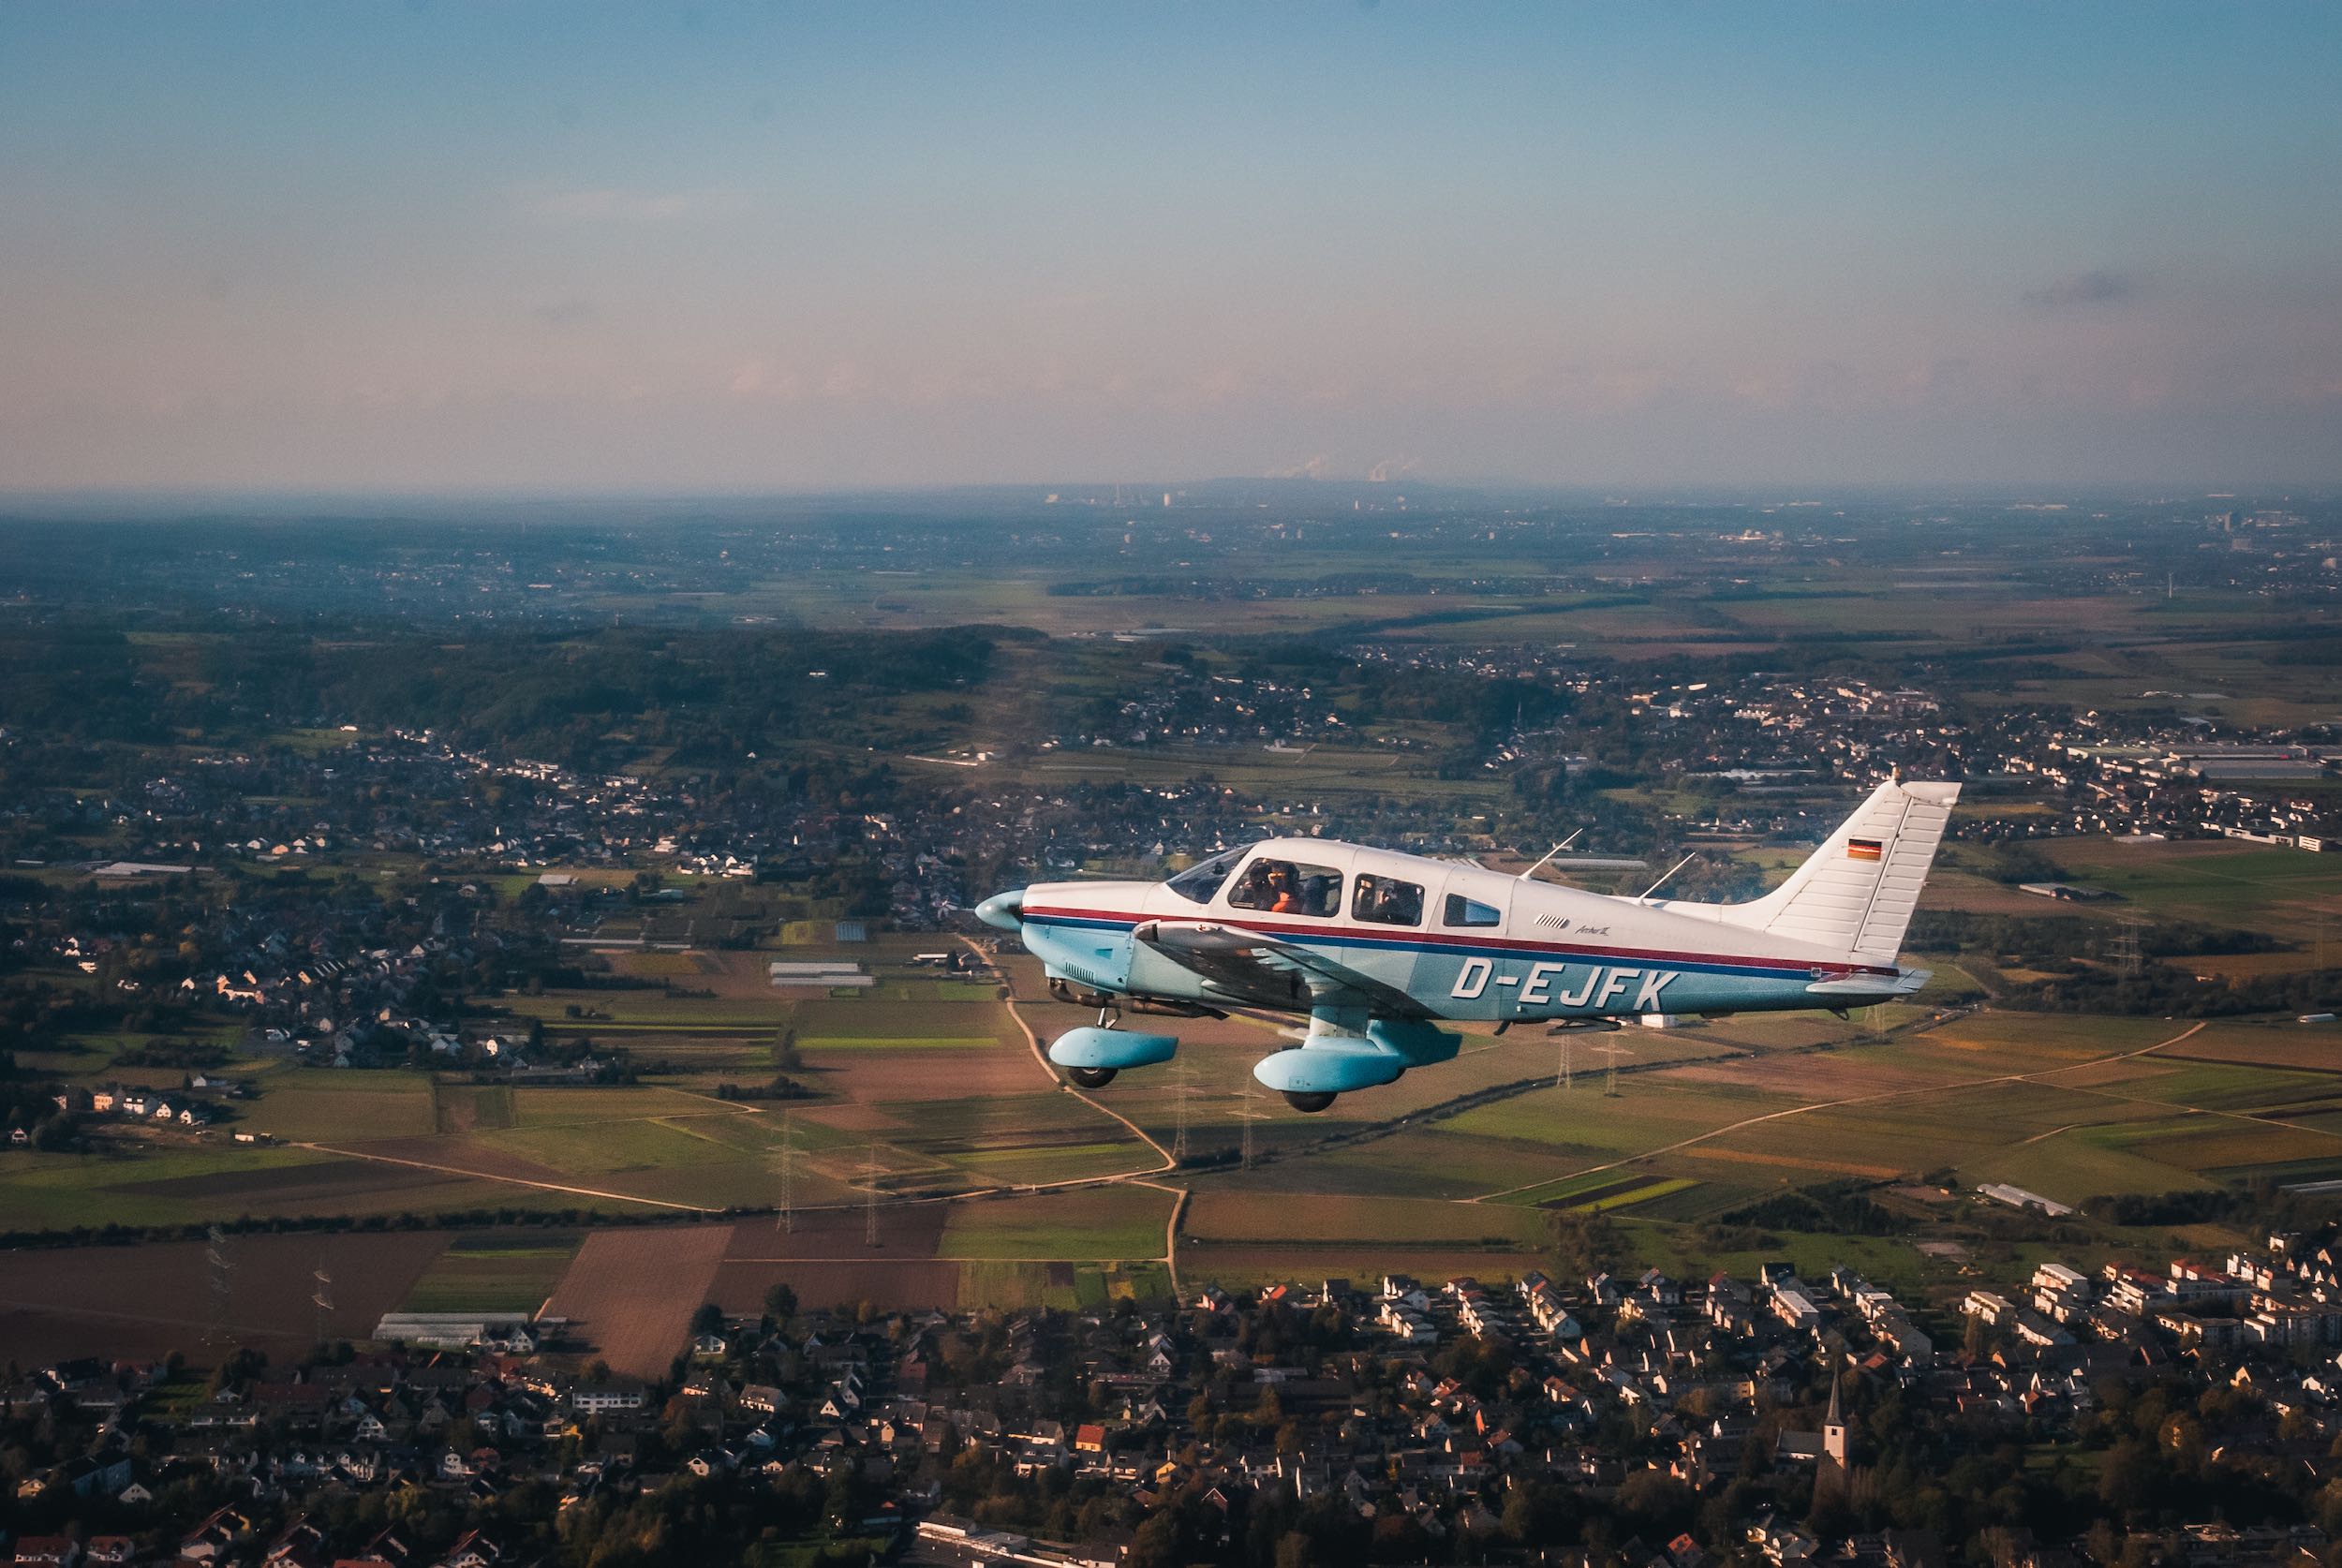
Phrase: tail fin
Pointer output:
(1855, 894)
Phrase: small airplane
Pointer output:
(1378, 948)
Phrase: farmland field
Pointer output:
(634, 1291)
(501, 1271)
(148, 1301)
(1251, 1212)
(300, 1105)
(1466, 1169)
(1120, 1222)
(827, 1258)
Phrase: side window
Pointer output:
(1288, 887)
(1387, 901)
(1471, 911)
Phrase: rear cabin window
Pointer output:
(1387, 901)
(1471, 911)
(1288, 887)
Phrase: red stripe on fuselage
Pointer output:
(1406, 935)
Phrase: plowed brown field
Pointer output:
(827, 1260)
(144, 1302)
(632, 1292)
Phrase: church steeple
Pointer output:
(1833, 1444)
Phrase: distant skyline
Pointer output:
(534, 247)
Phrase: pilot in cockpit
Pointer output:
(1273, 885)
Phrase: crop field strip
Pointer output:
(497, 1272)
(669, 1142)
(1811, 1108)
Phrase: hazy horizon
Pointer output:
(545, 250)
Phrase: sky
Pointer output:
(573, 247)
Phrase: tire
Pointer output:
(1090, 1078)
(1308, 1105)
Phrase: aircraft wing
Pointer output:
(1249, 967)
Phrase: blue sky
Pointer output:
(443, 246)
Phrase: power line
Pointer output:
(787, 1219)
(223, 1284)
(1247, 1115)
(1613, 1052)
(322, 1297)
(1180, 1086)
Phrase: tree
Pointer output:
(1656, 1502)
(781, 1303)
(1540, 1514)
(2129, 1478)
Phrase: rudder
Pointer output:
(1856, 894)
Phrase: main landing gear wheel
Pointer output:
(1090, 1078)
(1308, 1104)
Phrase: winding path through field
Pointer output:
(1714, 1133)
(1135, 1178)
(1032, 1044)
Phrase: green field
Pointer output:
(1705, 1121)
(501, 1272)
(1099, 1223)
(323, 1105)
(2258, 888)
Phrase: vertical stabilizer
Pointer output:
(1855, 894)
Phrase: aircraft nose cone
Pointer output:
(1005, 911)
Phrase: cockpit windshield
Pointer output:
(1199, 882)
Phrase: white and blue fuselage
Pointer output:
(1378, 948)
(1554, 953)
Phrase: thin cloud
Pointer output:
(628, 204)
(2096, 287)
(566, 313)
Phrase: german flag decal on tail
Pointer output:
(1863, 848)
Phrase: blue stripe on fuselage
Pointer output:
(1752, 969)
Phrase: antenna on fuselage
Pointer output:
(1548, 855)
(1670, 872)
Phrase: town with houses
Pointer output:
(1615, 1418)
(1755, 750)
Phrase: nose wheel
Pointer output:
(1308, 1103)
(1090, 1078)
